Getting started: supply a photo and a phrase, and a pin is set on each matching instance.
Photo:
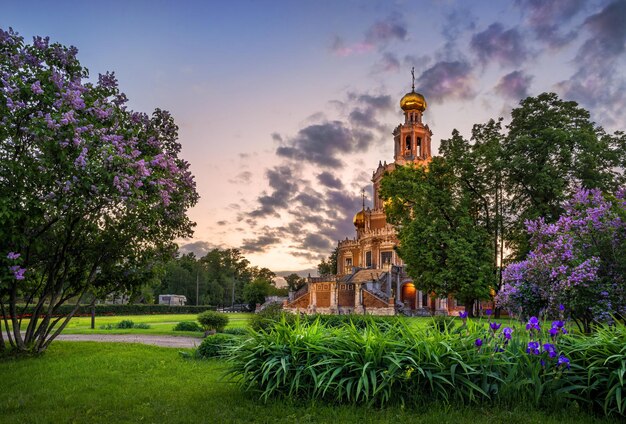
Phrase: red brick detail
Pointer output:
(371, 301)
(301, 302)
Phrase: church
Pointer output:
(371, 278)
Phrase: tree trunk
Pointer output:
(469, 307)
(2, 346)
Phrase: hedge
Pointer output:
(113, 310)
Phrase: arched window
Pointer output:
(408, 143)
(419, 146)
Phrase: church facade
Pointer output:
(370, 275)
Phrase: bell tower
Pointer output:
(412, 138)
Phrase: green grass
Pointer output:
(159, 324)
(128, 383)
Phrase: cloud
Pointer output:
(313, 203)
(198, 248)
(382, 32)
(283, 183)
(447, 80)
(378, 35)
(547, 18)
(324, 144)
(497, 45)
(598, 82)
(308, 201)
(241, 178)
(320, 144)
(388, 62)
(340, 48)
(379, 103)
(260, 244)
(514, 85)
(330, 181)
(608, 33)
(456, 23)
(317, 242)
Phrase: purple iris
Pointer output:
(13, 255)
(478, 342)
(533, 348)
(561, 307)
(554, 331)
(463, 314)
(563, 361)
(558, 324)
(507, 331)
(494, 326)
(488, 312)
(533, 324)
(548, 347)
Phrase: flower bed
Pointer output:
(472, 363)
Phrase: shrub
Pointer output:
(125, 324)
(210, 320)
(215, 346)
(577, 262)
(268, 317)
(187, 326)
(237, 331)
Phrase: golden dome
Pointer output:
(359, 219)
(413, 101)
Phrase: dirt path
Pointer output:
(165, 341)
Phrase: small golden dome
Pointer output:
(359, 219)
(413, 101)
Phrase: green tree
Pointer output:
(92, 194)
(255, 292)
(295, 282)
(444, 247)
(229, 270)
(551, 149)
(478, 166)
(329, 266)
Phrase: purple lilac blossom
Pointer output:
(578, 252)
(18, 272)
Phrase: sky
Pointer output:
(285, 108)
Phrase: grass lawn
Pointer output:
(159, 324)
(126, 383)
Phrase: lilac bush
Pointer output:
(91, 193)
(578, 263)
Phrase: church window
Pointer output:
(385, 258)
(419, 146)
(368, 259)
(425, 300)
(408, 143)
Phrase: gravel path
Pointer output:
(165, 341)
